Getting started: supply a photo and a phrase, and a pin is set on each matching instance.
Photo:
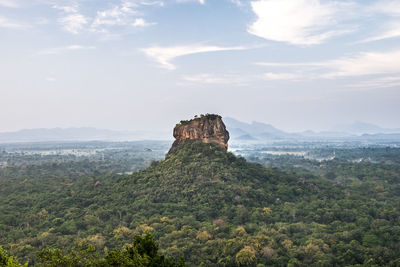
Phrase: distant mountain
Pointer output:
(359, 127)
(243, 131)
(252, 128)
(79, 134)
(325, 134)
(238, 130)
(388, 136)
(246, 137)
(253, 131)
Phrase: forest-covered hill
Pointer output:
(206, 205)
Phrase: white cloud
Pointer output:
(206, 78)
(281, 76)
(140, 22)
(366, 63)
(61, 49)
(237, 2)
(299, 22)
(10, 24)
(8, 3)
(388, 7)
(73, 23)
(186, 1)
(383, 82)
(163, 55)
(239, 79)
(389, 23)
(67, 9)
(118, 15)
(391, 30)
(376, 70)
(151, 3)
(291, 64)
(121, 15)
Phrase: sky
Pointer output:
(147, 64)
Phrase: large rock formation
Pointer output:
(207, 128)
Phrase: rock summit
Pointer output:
(207, 128)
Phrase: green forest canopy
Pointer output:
(208, 206)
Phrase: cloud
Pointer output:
(73, 23)
(281, 76)
(206, 78)
(390, 30)
(383, 82)
(390, 25)
(388, 7)
(239, 79)
(387, 20)
(186, 1)
(118, 15)
(361, 64)
(140, 22)
(237, 2)
(291, 64)
(61, 49)
(121, 15)
(8, 3)
(367, 63)
(376, 70)
(67, 9)
(298, 22)
(163, 55)
(10, 24)
(151, 3)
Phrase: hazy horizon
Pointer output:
(335, 128)
(145, 65)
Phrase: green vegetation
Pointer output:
(143, 252)
(202, 116)
(209, 207)
(9, 261)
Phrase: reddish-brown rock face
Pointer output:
(206, 128)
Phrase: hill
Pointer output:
(78, 134)
(255, 130)
(359, 128)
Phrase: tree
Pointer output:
(9, 261)
(246, 256)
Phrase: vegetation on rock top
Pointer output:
(202, 116)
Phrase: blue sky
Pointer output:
(133, 64)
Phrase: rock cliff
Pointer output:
(207, 128)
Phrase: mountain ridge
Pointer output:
(239, 131)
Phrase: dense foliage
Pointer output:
(202, 116)
(143, 252)
(210, 207)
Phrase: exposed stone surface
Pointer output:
(207, 128)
